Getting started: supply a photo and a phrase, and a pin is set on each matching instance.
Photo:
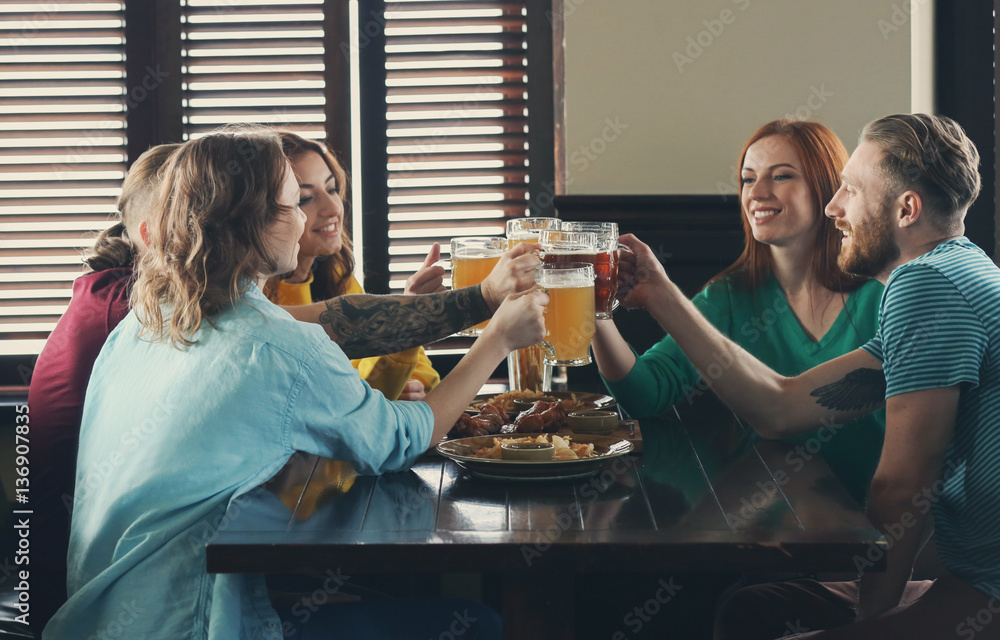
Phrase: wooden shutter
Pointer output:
(456, 76)
(253, 61)
(62, 154)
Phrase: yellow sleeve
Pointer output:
(293, 294)
(425, 373)
(390, 373)
(353, 286)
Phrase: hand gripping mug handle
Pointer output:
(547, 347)
(616, 303)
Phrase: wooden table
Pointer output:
(703, 496)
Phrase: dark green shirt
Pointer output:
(765, 326)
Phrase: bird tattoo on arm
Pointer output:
(859, 390)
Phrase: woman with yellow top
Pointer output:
(326, 266)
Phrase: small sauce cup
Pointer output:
(592, 422)
(527, 451)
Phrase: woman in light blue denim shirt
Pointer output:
(206, 389)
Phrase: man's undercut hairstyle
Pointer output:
(930, 155)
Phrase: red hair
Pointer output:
(823, 158)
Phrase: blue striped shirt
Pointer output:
(938, 327)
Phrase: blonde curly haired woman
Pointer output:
(206, 389)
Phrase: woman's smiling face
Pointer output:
(319, 199)
(775, 195)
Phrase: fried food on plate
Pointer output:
(505, 401)
(565, 448)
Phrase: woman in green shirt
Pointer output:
(784, 300)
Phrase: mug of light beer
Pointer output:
(605, 264)
(472, 259)
(569, 315)
(526, 368)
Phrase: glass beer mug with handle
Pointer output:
(569, 315)
(472, 259)
(605, 263)
(526, 368)
(527, 229)
(560, 246)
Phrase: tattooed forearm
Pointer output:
(369, 325)
(858, 390)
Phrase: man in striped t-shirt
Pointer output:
(934, 363)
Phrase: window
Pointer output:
(62, 154)
(456, 110)
(79, 102)
(253, 62)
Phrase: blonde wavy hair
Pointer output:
(208, 231)
(113, 248)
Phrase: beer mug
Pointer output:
(527, 371)
(560, 246)
(472, 259)
(605, 263)
(526, 368)
(569, 315)
(526, 229)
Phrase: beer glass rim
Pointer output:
(496, 245)
(604, 231)
(512, 224)
(585, 267)
(587, 225)
(477, 239)
(578, 237)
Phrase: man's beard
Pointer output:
(872, 249)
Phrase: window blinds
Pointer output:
(62, 154)
(253, 61)
(456, 76)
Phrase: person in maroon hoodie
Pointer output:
(59, 380)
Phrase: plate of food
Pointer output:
(513, 401)
(574, 456)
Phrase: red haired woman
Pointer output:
(784, 300)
